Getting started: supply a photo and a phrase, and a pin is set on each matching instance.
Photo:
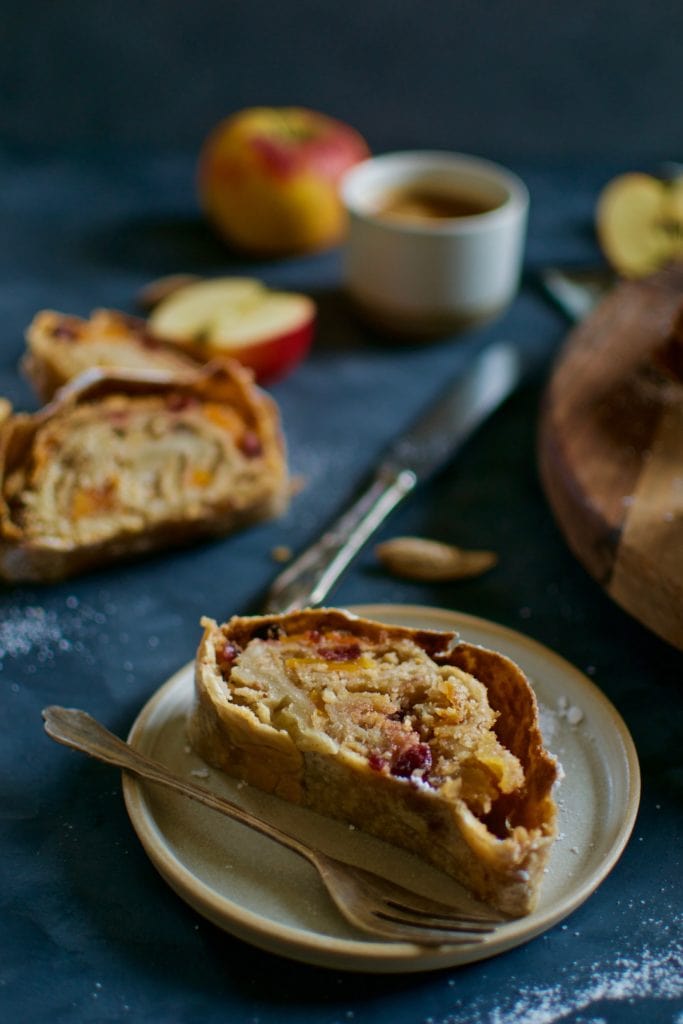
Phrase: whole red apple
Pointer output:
(268, 179)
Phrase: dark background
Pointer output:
(103, 106)
(520, 78)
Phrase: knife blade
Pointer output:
(577, 291)
(415, 456)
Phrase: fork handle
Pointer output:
(77, 729)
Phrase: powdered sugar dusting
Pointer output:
(31, 630)
(35, 635)
(40, 633)
(548, 723)
(631, 975)
(549, 718)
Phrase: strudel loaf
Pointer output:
(429, 743)
(126, 462)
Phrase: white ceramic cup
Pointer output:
(437, 276)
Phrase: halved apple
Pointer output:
(269, 331)
(639, 220)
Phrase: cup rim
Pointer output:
(515, 203)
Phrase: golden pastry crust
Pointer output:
(127, 462)
(426, 742)
(60, 347)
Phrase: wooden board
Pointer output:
(611, 448)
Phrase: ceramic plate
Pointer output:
(266, 895)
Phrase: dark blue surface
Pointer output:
(89, 930)
(94, 101)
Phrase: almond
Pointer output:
(281, 553)
(417, 558)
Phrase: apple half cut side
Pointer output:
(268, 331)
(639, 221)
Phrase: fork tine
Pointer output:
(398, 900)
(438, 922)
(424, 936)
(386, 909)
(440, 913)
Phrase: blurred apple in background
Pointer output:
(639, 221)
(268, 179)
(269, 331)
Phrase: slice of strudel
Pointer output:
(429, 743)
(121, 463)
(60, 347)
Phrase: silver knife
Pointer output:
(577, 291)
(415, 456)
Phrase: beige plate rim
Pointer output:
(370, 955)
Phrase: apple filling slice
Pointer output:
(269, 331)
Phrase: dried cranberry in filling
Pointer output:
(339, 652)
(376, 762)
(250, 444)
(412, 759)
(225, 656)
(65, 330)
(177, 402)
(118, 416)
(148, 341)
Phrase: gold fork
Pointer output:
(368, 901)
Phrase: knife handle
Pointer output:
(311, 576)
